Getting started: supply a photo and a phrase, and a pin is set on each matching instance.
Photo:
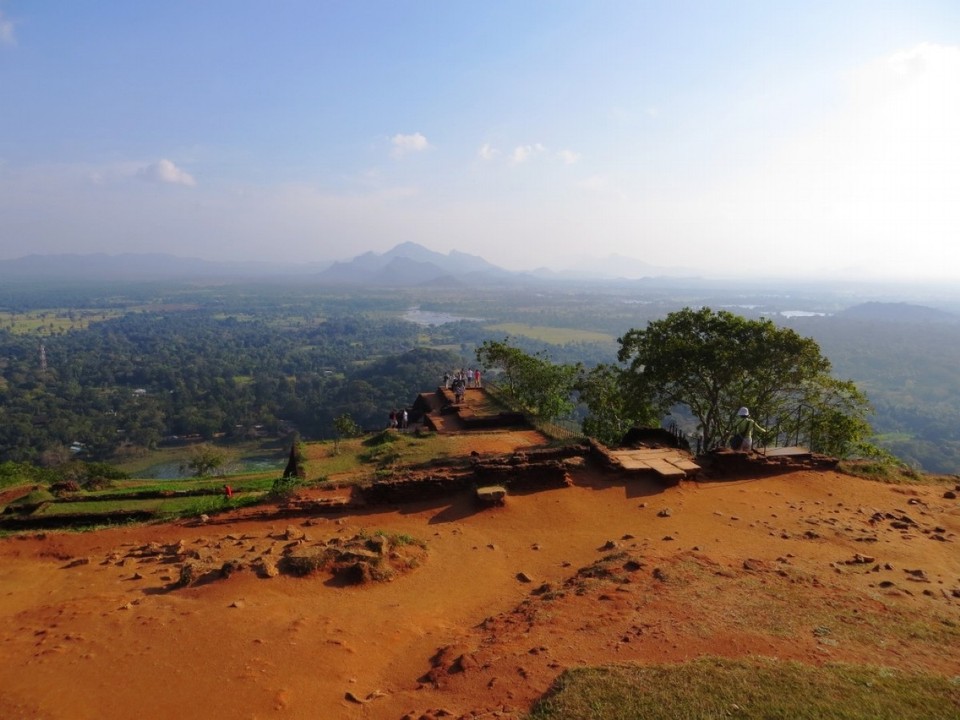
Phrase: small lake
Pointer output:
(801, 313)
(429, 317)
(171, 470)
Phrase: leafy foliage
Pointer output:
(613, 404)
(531, 382)
(715, 362)
(204, 459)
(344, 427)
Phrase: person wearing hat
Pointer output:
(745, 426)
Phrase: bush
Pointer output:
(65, 487)
(284, 487)
(381, 438)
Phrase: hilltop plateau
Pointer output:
(813, 566)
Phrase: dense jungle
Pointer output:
(102, 370)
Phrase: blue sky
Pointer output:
(735, 138)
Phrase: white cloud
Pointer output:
(164, 171)
(522, 153)
(568, 157)
(405, 144)
(6, 31)
(487, 152)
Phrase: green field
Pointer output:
(552, 335)
(51, 321)
(355, 460)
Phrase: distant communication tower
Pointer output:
(43, 358)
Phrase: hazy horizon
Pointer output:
(810, 140)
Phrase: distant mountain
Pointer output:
(897, 312)
(405, 265)
(410, 264)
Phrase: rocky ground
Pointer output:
(440, 609)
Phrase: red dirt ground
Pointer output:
(736, 568)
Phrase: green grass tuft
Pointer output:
(757, 689)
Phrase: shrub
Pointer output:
(65, 487)
(284, 487)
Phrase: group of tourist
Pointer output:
(468, 378)
(399, 419)
(460, 381)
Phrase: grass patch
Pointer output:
(50, 321)
(749, 689)
(395, 539)
(105, 507)
(40, 495)
(892, 473)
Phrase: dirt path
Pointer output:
(763, 567)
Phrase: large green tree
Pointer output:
(715, 362)
(613, 406)
(203, 460)
(531, 382)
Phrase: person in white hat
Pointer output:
(745, 427)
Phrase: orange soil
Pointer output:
(729, 572)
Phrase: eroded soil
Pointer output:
(813, 566)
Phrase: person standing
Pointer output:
(745, 427)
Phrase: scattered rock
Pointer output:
(609, 545)
(523, 577)
(78, 562)
(230, 567)
(950, 495)
(266, 568)
(292, 533)
(665, 512)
